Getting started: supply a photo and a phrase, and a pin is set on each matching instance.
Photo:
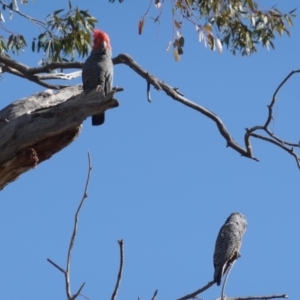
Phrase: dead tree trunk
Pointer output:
(33, 129)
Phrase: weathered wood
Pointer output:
(33, 129)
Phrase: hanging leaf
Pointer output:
(1, 17)
(179, 50)
(181, 41)
(250, 3)
(208, 28)
(157, 4)
(33, 45)
(176, 55)
(218, 45)
(177, 24)
(141, 25)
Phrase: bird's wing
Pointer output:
(109, 79)
(228, 242)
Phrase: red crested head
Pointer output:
(100, 37)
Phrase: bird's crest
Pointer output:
(100, 37)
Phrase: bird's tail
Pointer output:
(218, 275)
(98, 119)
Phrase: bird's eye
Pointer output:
(237, 223)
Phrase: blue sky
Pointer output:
(162, 179)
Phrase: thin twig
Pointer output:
(283, 296)
(56, 266)
(23, 15)
(72, 240)
(273, 138)
(148, 92)
(56, 65)
(283, 142)
(171, 92)
(270, 107)
(25, 72)
(85, 195)
(226, 277)
(149, 6)
(194, 294)
(114, 294)
(154, 295)
(85, 297)
(287, 149)
(78, 292)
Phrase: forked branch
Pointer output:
(199, 291)
(67, 271)
(115, 292)
(246, 150)
(38, 76)
(283, 296)
(271, 137)
(223, 297)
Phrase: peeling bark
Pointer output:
(33, 129)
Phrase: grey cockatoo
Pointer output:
(228, 244)
(97, 71)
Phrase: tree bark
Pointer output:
(33, 129)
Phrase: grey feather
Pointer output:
(97, 71)
(228, 243)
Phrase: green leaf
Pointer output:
(250, 4)
(57, 11)
(33, 45)
(10, 40)
(22, 41)
(85, 13)
(292, 11)
(289, 20)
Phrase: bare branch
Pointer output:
(223, 297)
(24, 71)
(36, 21)
(31, 74)
(286, 146)
(148, 92)
(230, 265)
(78, 292)
(114, 294)
(85, 297)
(283, 296)
(194, 294)
(281, 140)
(56, 266)
(55, 65)
(270, 107)
(154, 295)
(63, 76)
(173, 93)
(287, 149)
(72, 240)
